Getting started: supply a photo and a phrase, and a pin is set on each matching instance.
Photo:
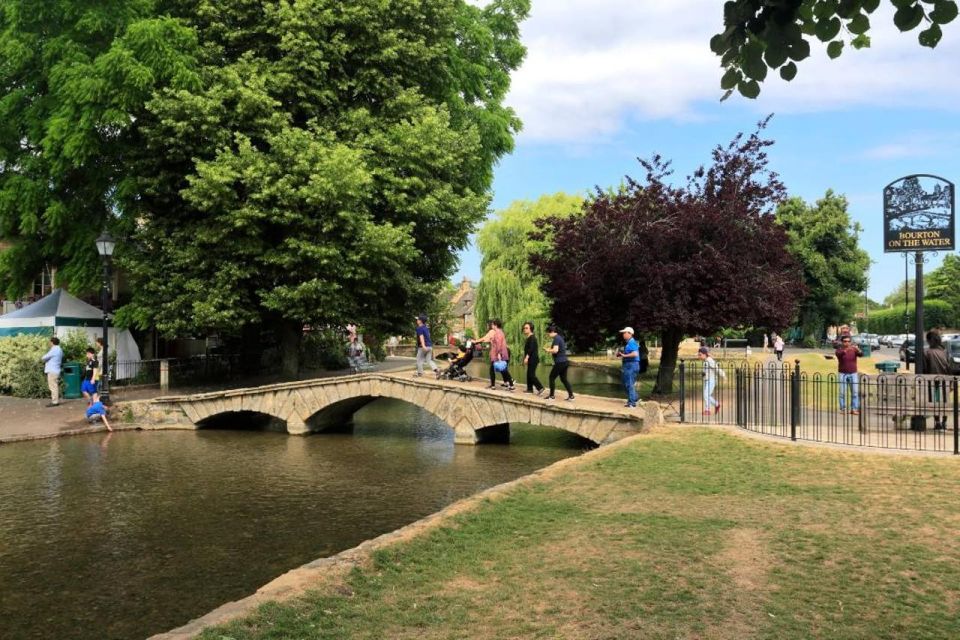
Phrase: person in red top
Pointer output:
(847, 354)
(499, 354)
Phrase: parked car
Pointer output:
(872, 339)
(953, 355)
(899, 340)
(887, 340)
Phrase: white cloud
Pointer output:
(915, 144)
(594, 64)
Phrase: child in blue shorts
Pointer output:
(97, 411)
(91, 376)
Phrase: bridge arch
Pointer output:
(474, 414)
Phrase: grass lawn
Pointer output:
(684, 533)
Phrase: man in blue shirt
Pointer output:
(52, 362)
(630, 354)
(97, 411)
(424, 346)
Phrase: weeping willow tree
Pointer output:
(508, 287)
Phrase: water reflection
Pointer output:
(124, 535)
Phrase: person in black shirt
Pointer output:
(560, 362)
(531, 358)
(91, 376)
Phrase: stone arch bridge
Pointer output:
(475, 413)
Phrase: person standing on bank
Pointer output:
(710, 372)
(936, 363)
(499, 354)
(558, 347)
(52, 362)
(847, 355)
(630, 354)
(91, 376)
(424, 346)
(531, 358)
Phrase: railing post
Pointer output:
(683, 391)
(738, 394)
(164, 376)
(956, 418)
(794, 400)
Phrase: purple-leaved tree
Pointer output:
(675, 260)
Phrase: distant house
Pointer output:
(463, 303)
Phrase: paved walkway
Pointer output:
(26, 419)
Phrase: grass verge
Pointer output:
(686, 533)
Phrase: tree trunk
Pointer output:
(289, 334)
(670, 346)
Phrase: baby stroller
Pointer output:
(458, 366)
(357, 357)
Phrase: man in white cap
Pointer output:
(630, 354)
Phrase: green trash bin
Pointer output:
(888, 366)
(71, 380)
(866, 349)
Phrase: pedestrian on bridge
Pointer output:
(499, 354)
(424, 346)
(630, 355)
(558, 348)
(531, 358)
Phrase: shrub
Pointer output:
(936, 313)
(75, 346)
(324, 349)
(21, 371)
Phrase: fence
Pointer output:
(888, 410)
(183, 371)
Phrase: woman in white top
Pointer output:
(710, 372)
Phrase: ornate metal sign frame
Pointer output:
(919, 214)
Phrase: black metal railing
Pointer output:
(888, 410)
(183, 371)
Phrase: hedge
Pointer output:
(936, 313)
(21, 371)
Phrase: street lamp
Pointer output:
(105, 247)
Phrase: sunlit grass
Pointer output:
(686, 533)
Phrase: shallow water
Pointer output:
(128, 535)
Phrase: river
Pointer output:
(126, 535)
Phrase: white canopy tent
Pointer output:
(60, 313)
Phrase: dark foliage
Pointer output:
(675, 260)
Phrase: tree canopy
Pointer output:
(943, 283)
(676, 260)
(762, 35)
(509, 288)
(824, 241)
(304, 161)
(75, 76)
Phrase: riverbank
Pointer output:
(24, 419)
(680, 533)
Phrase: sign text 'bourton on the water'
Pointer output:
(919, 214)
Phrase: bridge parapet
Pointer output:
(474, 413)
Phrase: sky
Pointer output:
(608, 81)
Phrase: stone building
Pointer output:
(463, 303)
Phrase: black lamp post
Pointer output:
(105, 246)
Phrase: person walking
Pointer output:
(778, 347)
(936, 363)
(424, 346)
(499, 354)
(558, 347)
(52, 364)
(710, 372)
(531, 358)
(630, 355)
(849, 376)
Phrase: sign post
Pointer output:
(919, 215)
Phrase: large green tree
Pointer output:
(824, 241)
(762, 35)
(905, 293)
(75, 76)
(509, 288)
(943, 283)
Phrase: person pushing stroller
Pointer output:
(458, 366)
